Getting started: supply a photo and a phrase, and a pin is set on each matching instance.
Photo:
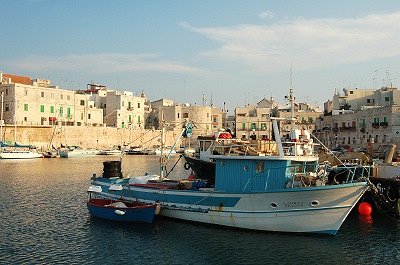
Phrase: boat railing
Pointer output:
(265, 148)
(354, 172)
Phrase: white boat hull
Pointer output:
(309, 210)
(77, 153)
(19, 155)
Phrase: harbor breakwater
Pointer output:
(43, 137)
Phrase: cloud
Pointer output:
(266, 14)
(307, 43)
(104, 63)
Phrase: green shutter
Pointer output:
(26, 108)
(41, 108)
(51, 109)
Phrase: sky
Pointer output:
(226, 51)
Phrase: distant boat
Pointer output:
(113, 152)
(118, 209)
(166, 150)
(76, 151)
(17, 151)
(19, 154)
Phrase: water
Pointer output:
(44, 220)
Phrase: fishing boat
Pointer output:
(284, 191)
(118, 210)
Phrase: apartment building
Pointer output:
(37, 102)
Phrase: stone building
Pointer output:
(206, 119)
(253, 122)
(37, 102)
(371, 119)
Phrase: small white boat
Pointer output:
(166, 150)
(112, 152)
(17, 151)
(76, 151)
(19, 154)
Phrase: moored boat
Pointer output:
(283, 192)
(76, 151)
(119, 210)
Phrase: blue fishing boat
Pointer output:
(283, 191)
(118, 209)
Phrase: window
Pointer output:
(351, 92)
(25, 118)
(138, 119)
(214, 119)
(368, 100)
(82, 102)
(243, 125)
(69, 112)
(52, 95)
(26, 92)
(61, 112)
(123, 103)
(42, 94)
(129, 105)
(387, 99)
(185, 115)
(178, 115)
(41, 108)
(81, 116)
(26, 108)
(62, 96)
(138, 105)
(51, 109)
(88, 116)
(130, 119)
(263, 126)
(68, 97)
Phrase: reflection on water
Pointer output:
(45, 221)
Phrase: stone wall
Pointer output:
(86, 137)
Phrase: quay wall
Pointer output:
(43, 137)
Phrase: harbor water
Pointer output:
(44, 220)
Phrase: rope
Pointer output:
(174, 166)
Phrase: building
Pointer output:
(37, 102)
(253, 122)
(372, 118)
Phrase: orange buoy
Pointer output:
(364, 208)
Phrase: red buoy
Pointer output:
(364, 208)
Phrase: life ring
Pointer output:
(186, 166)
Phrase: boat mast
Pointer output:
(291, 98)
(162, 158)
(1, 116)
